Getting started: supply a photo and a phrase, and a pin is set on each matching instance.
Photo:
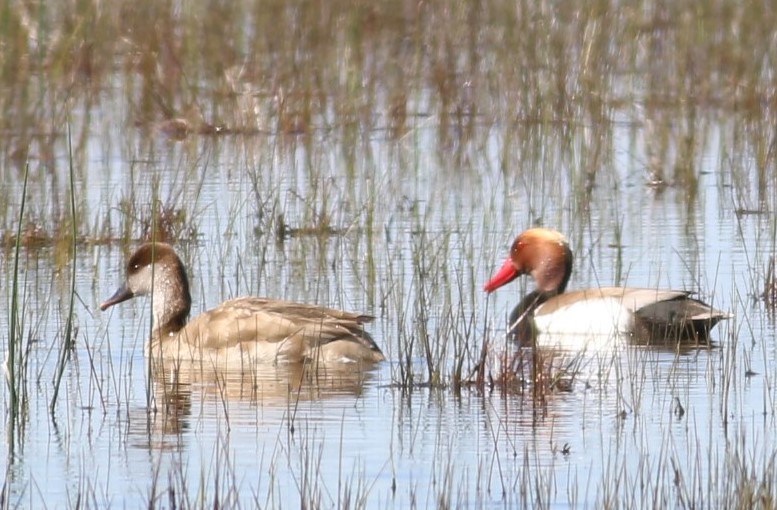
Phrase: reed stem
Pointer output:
(14, 335)
(67, 344)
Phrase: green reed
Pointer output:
(68, 341)
(16, 362)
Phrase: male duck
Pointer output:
(651, 315)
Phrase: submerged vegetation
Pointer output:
(379, 156)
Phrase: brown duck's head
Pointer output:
(542, 253)
(156, 268)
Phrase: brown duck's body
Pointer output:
(650, 315)
(271, 329)
(238, 331)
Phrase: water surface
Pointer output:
(339, 205)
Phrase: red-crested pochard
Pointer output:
(650, 315)
(246, 329)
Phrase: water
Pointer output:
(637, 424)
(414, 225)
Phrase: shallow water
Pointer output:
(406, 227)
(636, 424)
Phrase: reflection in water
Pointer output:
(563, 362)
(177, 388)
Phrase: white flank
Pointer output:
(593, 323)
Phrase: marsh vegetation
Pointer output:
(380, 157)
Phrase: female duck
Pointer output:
(246, 329)
(651, 315)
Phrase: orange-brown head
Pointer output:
(542, 253)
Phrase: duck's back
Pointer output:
(652, 313)
(272, 330)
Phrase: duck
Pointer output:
(647, 315)
(239, 331)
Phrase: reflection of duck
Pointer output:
(182, 389)
(272, 385)
(650, 314)
(242, 331)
